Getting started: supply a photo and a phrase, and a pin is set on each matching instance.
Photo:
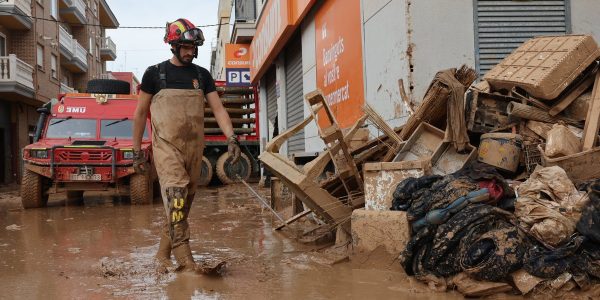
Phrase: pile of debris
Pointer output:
(487, 188)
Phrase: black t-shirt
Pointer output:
(177, 78)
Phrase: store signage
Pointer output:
(339, 59)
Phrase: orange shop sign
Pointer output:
(339, 58)
(277, 22)
(237, 56)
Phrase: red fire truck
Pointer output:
(242, 105)
(83, 143)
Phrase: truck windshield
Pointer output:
(69, 127)
(121, 128)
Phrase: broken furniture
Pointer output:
(544, 66)
(382, 178)
(501, 150)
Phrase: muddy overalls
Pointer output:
(177, 117)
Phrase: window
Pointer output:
(122, 128)
(92, 45)
(69, 127)
(97, 52)
(54, 9)
(2, 45)
(40, 56)
(53, 60)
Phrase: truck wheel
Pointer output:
(75, 197)
(227, 172)
(141, 189)
(108, 86)
(206, 172)
(32, 191)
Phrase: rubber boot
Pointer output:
(163, 255)
(183, 255)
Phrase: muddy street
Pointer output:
(104, 249)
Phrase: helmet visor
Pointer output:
(193, 35)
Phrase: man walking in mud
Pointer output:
(174, 93)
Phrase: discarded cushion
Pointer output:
(549, 205)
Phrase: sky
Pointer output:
(139, 48)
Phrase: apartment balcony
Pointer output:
(72, 11)
(243, 32)
(16, 78)
(107, 17)
(16, 14)
(65, 89)
(108, 49)
(73, 55)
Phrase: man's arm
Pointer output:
(139, 119)
(220, 113)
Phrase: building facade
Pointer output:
(356, 51)
(47, 47)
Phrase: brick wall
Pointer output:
(46, 36)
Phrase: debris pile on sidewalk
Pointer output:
(496, 184)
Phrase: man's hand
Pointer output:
(140, 164)
(233, 148)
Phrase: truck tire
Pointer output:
(108, 86)
(75, 197)
(227, 173)
(32, 190)
(141, 189)
(206, 172)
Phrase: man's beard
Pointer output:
(187, 59)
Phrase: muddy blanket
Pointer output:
(589, 224)
(549, 205)
(417, 196)
(479, 240)
(579, 256)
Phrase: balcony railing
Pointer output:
(16, 14)
(65, 89)
(108, 49)
(80, 53)
(66, 42)
(15, 70)
(22, 5)
(107, 43)
(79, 5)
(74, 12)
(75, 55)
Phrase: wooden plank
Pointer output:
(405, 98)
(569, 98)
(233, 120)
(235, 130)
(293, 219)
(592, 122)
(243, 111)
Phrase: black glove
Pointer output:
(140, 164)
(233, 148)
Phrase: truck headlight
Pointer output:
(38, 153)
(127, 154)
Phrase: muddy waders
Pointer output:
(178, 143)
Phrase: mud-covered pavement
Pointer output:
(104, 249)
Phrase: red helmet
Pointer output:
(182, 31)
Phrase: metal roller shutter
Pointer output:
(270, 79)
(294, 93)
(502, 25)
